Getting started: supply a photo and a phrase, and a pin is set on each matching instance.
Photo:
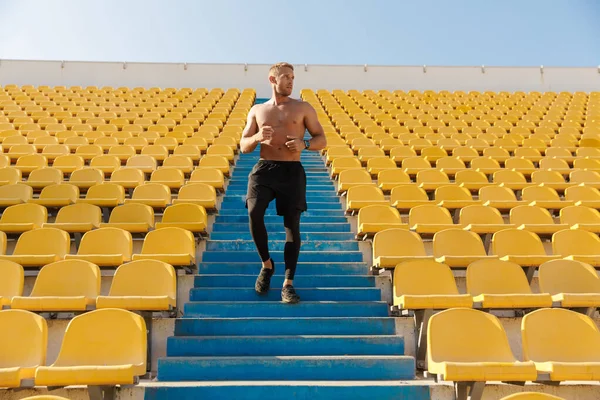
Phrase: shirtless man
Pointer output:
(279, 126)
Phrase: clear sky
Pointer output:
(384, 32)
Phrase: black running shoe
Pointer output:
(289, 295)
(263, 282)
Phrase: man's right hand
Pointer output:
(264, 134)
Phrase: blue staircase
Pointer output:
(337, 343)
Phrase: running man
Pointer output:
(279, 126)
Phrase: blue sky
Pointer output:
(384, 32)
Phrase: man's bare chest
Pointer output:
(278, 117)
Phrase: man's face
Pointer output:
(284, 82)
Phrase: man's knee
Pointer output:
(256, 209)
(292, 228)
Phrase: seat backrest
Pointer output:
(381, 162)
(532, 193)
(197, 190)
(452, 192)
(79, 213)
(365, 193)
(449, 162)
(128, 174)
(106, 191)
(87, 175)
(141, 160)
(457, 242)
(91, 149)
(378, 213)
(10, 174)
(60, 191)
(46, 174)
(416, 162)
(508, 176)
(385, 243)
(339, 152)
(12, 278)
(579, 215)
(169, 175)
(169, 240)
(467, 335)
(423, 277)
(553, 163)
(516, 242)
(68, 160)
(107, 241)
(144, 278)
(583, 176)
(477, 214)
(33, 160)
(568, 276)
(213, 161)
(393, 175)
(496, 277)
(495, 193)
(206, 174)
(559, 335)
(575, 242)
(68, 278)
(132, 212)
(153, 191)
(184, 212)
(432, 175)
(23, 339)
(576, 193)
(16, 191)
(355, 175)
(531, 396)
(105, 337)
(547, 177)
(178, 161)
(534, 215)
(25, 213)
(429, 214)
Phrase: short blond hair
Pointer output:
(276, 68)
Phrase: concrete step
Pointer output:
(300, 281)
(278, 227)
(271, 211)
(257, 346)
(238, 309)
(279, 245)
(286, 368)
(284, 326)
(305, 390)
(302, 269)
(277, 256)
(306, 294)
(304, 236)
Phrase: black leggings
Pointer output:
(258, 230)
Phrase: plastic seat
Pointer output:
(77, 218)
(215, 162)
(144, 163)
(534, 219)
(344, 163)
(193, 152)
(122, 152)
(158, 152)
(551, 179)
(10, 176)
(145, 285)
(209, 176)
(104, 195)
(358, 197)
(106, 163)
(583, 196)
(458, 248)
(22, 218)
(14, 194)
(105, 247)
(101, 347)
(156, 195)
(387, 253)
(68, 163)
(174, 246)
(581, 217)
(482, 219)
(179, 163)
(431, 179)
(521, 247)
(413, 165)
(377, 165)
(470, 345)
(514, 180)
(454, 197)
(390, 178)
(588, 178)
(23, 344)
(88, 151)
(338, 152)
(86, 178)
(220, 150)
(429, 219)
(426, 284)
(132, 217)
(502, 285)
(578, 245)
(12, 277)
(45, 397)
(129, 178)
(532, 396)
(172, 178)
(450, 165)
(399, 154)
(545, 197)
(42, 177)
(189, 216)
(522, 165)
(68, 285)
(377, 218)
(465, 154)
(485, 165)
(499, 197)
(28, 163)
(547, 337)
(353, 177)
(571, 283)
(202, 194)
(57, 195)
(40, 247)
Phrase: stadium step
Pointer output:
(340, 331)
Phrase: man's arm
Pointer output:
(311, 121)
(248, 142)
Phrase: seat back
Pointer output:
(477, 214)
(365, 193)
(532, 193)
(579, 193)
(60, 191)
(516, 242)
(452, 192)
(531, 396)
(106, 191)
(184, 212)
(46, 174)
(128, 175)
(32, 160)
(416, 163)
(496, 277)
(12, 279)
(355, 176)
(530, 215)
(214, 161)
(68, 278)
(16, 191)
(568, 276)
(457, 242)
(547, 177)
(141, 161)
(178, 161)
(575, 242)
(584, 176)
(495, 193)
(411, 192)
(198, 190)
(579, 215)
(132, 212)
(429, 214)
(467, 335)
(206, 175)
(144, 278)
(559, 335)
(25, 213)
(432, 176)
(68, 160)
(23, 339)
(79, 213)
(87, 175)
(346, 162)
(154, 191)
(508, 176)
(169, 240)
(105, 337)
(378, 213)
(423, 277)
(107, 241)
(168, 175)
(393, 176)
(385, 243)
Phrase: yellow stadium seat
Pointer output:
(198, 193)
(132, 217)
(14, 194)
(12, 277)
(86, 178)
(521, 247)
(431, 179)
(376, 218)
(571, 283)
(215, 162)
(23, 217)
(485, 165)
(361, 196)
(172, 178)
(353, 177)
(23, 343)
(169, 143)
(466, 154)
(482, 219)
(156, 195)
(40, 247)
(578, 245)
(454, 197)
(30, 162)
(189, 216)
(145, 163)
(88, 151)
(101, 347)
(426, 284)
(77, 218)
(144, 285)
(104, 195)
(534, 219)
(106, 163)
(581, 217)
(551, 179)
(19, 150)
(10, 176)
(175, 246)
(458, 247)
(105, 247)
(532, 396)
(45, 397)
(466, 345)
(583, 196)
(450, 165)
(514, 180)
(122, 152)
(129, 178)
(499, 197)
(338, 152)
(548, 340)
(344, 163)
(209, 176)
(390, 178)
(588, 178)
(42, 177)
(221, 150)
(179, 162)
(413, 165)
(387, 253)
(68, 163)
(57, 195)
(545, 197)
(68, 285)
(429, 219)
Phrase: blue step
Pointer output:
(310, 196)
(279, 245)
(285, 326)
(360, 390)
(309, 294)
(271, 211)
(273, 219)
(277, 256)
(300, 281)
(310, 185)
(293, 368)
(304, 236)
(310, 206)
(248, 268)
(311, 173)
(265, 308)
(253, 346)
(275, 227)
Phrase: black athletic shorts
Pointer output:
(284, 181)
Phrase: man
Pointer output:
(279, 126)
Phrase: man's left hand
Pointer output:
(294, 144)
